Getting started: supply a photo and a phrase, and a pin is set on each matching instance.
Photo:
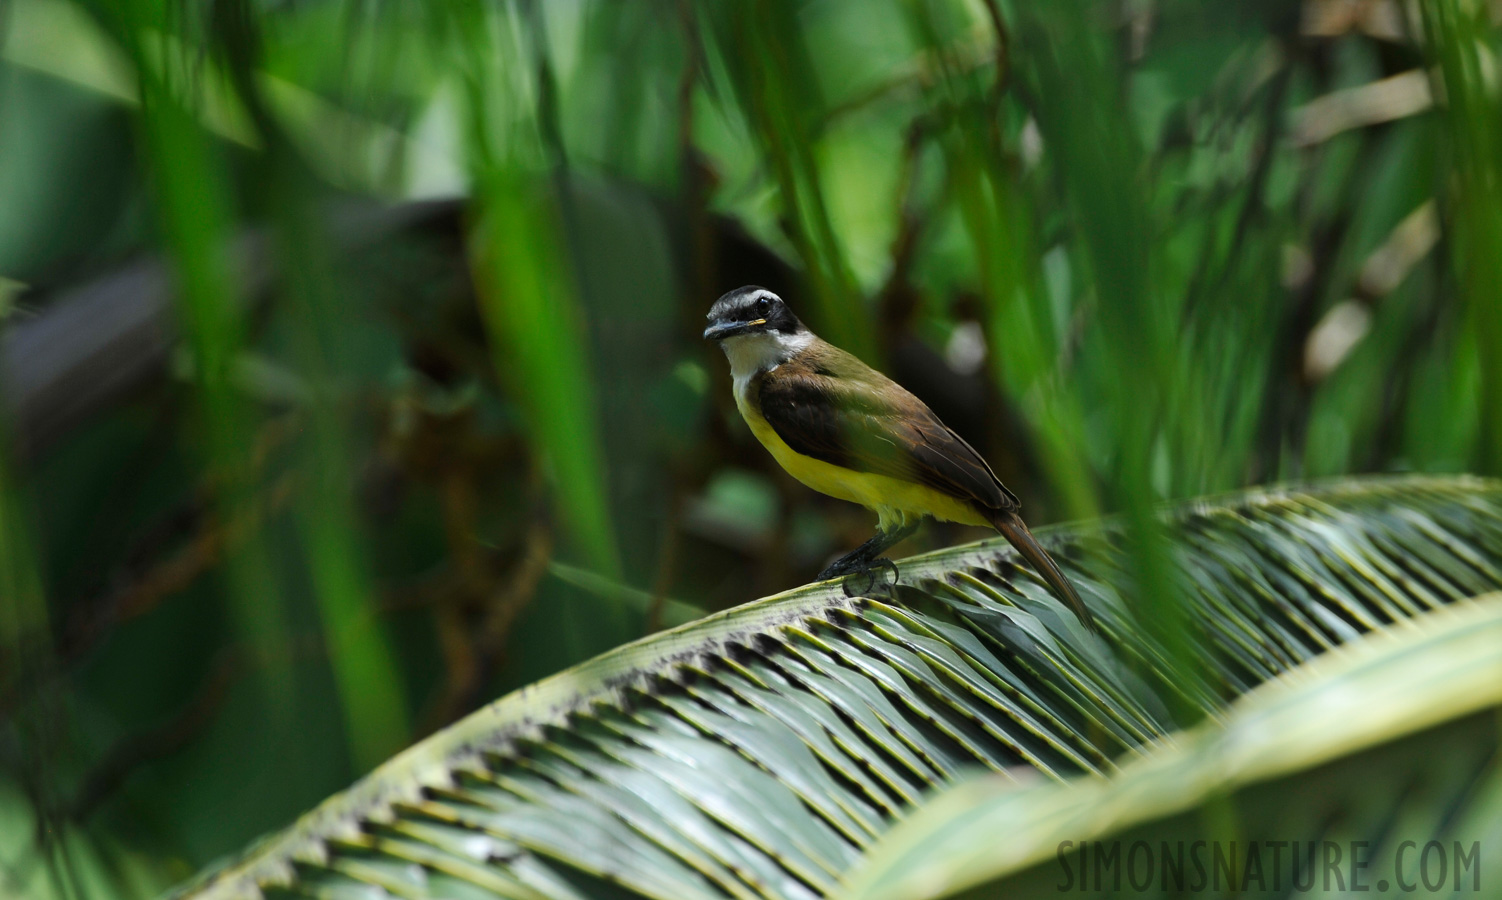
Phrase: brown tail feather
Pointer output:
(1014, 530)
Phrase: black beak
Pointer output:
(721, 330)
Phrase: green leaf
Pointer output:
(1292, 760)
(1461, 43)
(765, 750)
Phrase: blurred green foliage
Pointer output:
(352, 349)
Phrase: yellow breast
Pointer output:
(893, 500)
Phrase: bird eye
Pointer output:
(763, 306)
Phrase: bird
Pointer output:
(846, 430)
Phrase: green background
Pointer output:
(420, 412)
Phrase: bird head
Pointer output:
(750, 310)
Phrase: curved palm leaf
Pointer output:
(1388, 740)
(762, 751)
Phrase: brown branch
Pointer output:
(517, 593)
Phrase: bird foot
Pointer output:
(845, 565)
(874, 573)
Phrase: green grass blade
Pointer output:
(774, 81)
(531, 315)
(1075, 97)
(195, 212)
(1462, 42)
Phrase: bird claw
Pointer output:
(873, 571)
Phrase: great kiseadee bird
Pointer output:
(846, 430)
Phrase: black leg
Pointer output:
(856, 560)
(867, 555)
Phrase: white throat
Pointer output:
(750, 354)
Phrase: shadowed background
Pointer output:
(352, 360)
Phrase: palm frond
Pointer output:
(762, 752)
(1296, 761)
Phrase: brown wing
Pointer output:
(832, 407)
